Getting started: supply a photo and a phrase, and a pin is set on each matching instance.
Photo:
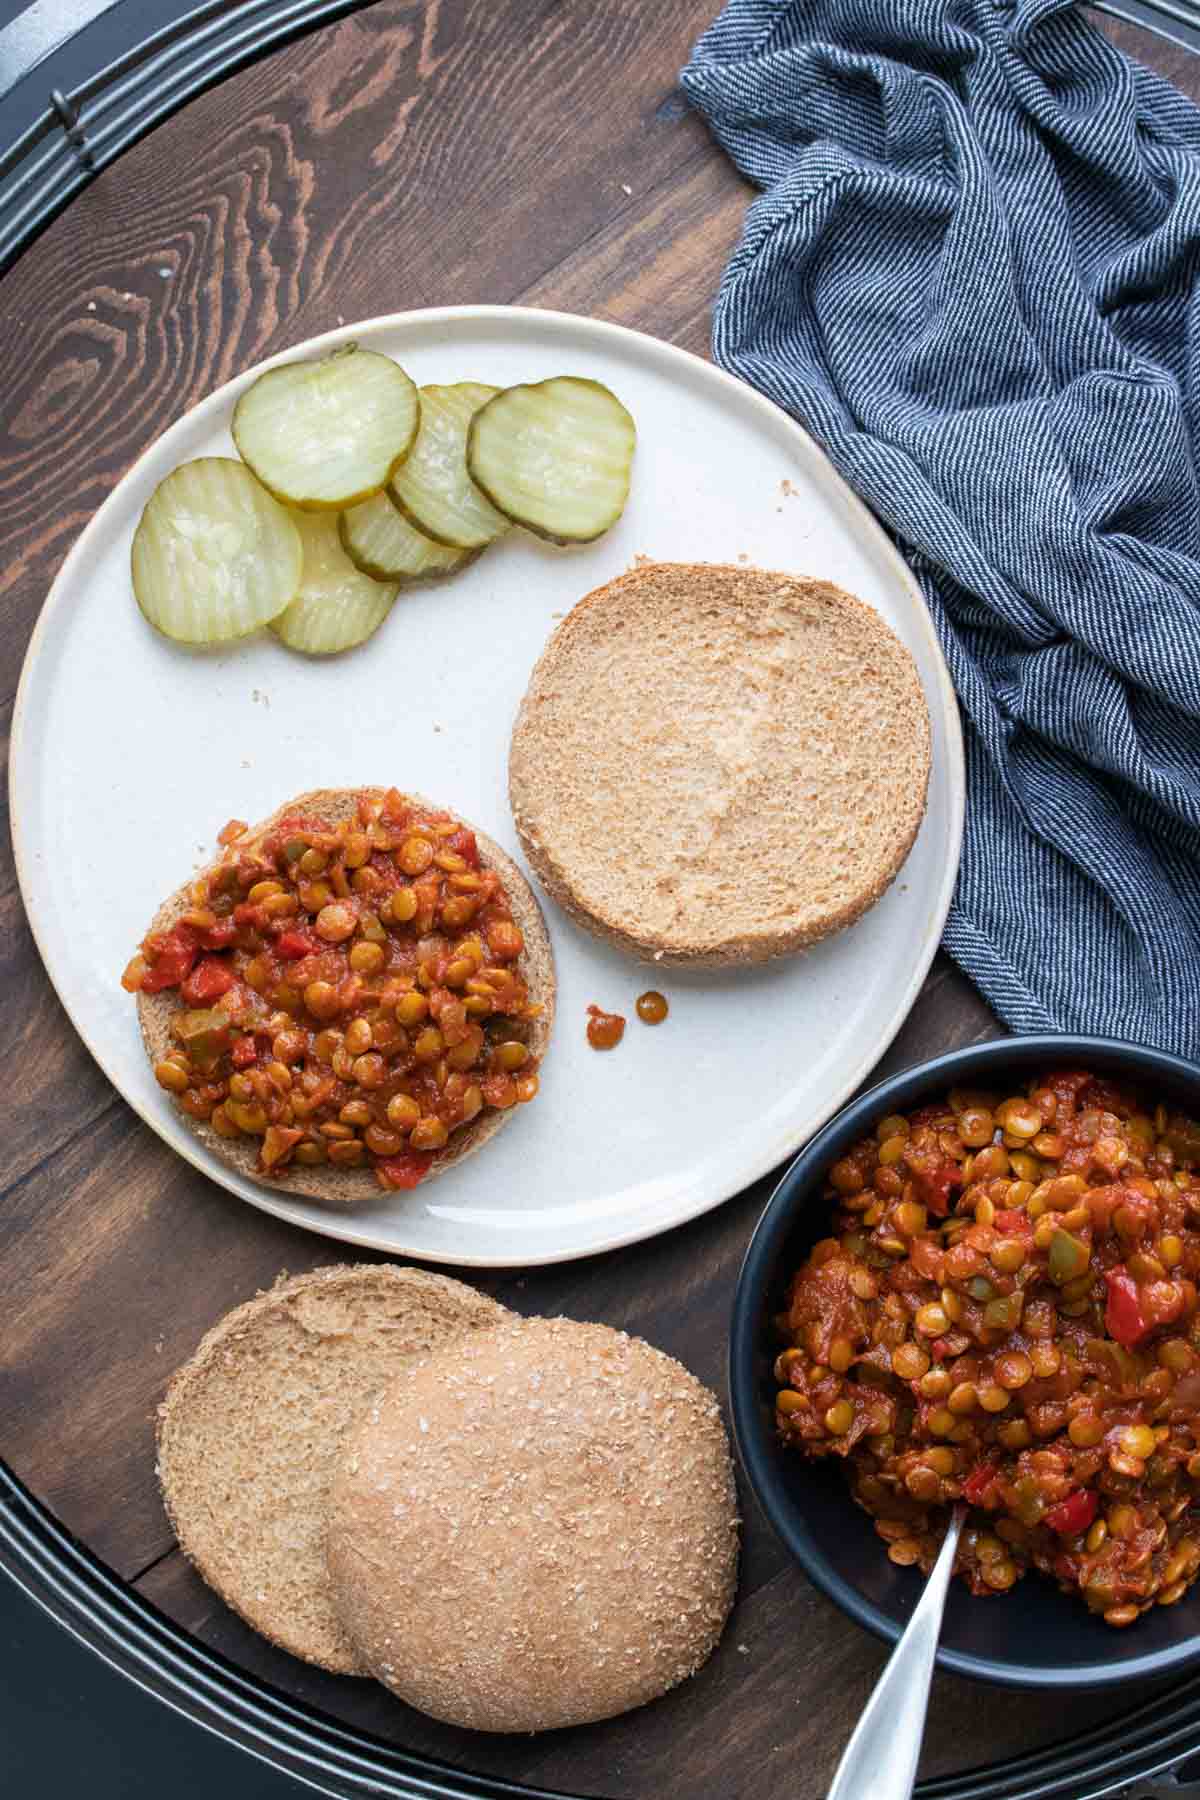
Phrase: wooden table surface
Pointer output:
(410, 155)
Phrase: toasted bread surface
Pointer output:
(343, 1186)
(250, 1426)
(537, 1527)
(719, 764)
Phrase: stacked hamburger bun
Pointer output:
(514, 1524)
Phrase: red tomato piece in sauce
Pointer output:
(207, 982)
(405, 1170)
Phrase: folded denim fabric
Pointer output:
(974, 277)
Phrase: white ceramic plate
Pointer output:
(129, 754)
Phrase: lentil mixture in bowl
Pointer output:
(979, 1283)
(1006, 1313)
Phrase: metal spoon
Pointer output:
(880, 1761)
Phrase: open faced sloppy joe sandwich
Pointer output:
(1005, 1313)
(354, 996)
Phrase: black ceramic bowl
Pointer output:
(1033, 1636)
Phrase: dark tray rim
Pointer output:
(65, 1578)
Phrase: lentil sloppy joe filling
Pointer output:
(349, 994)
(1007, 1314)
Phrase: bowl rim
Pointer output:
(758, 1456)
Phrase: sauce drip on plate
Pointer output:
(605, 1030)
(652, 1007)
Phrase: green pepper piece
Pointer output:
(980, 1288)
(1068, 1258)
(204, 1034)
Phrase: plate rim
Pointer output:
(863, 519)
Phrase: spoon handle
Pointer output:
(880, 1761)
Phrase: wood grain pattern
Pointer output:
(409, 155)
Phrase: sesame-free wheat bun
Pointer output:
(535, 1527)
(251, 1424)
(719, 764)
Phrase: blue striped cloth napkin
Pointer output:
(974, 277)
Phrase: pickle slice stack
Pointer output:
(354, 481)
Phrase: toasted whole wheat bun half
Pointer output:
(347, 1187)
(715, 764)
(250, 1427)
(536, 1527)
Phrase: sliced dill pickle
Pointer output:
(327, 433)
(554, 456)
(337, 606)
(381, 542)
(432, 487)
(214, 556)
